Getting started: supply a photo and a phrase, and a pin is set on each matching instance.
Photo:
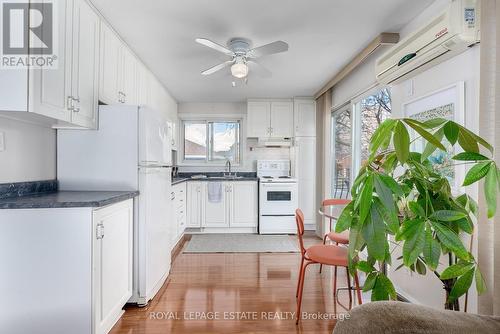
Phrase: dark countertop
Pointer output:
(178, 180)
(67, 199)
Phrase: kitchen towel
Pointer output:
(214, 192)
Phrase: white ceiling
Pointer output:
(323, 36)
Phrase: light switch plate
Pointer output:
(2, 141)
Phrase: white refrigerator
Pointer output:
(129, 151)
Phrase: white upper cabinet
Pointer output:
(282, 119)
(85, 74)
(270, 119)
(305, 117)
(50, 89)
(118, 73)
(144, 82)
(258, 119)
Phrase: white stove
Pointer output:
(277, 197)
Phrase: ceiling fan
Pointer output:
(241, 53)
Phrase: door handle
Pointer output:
(69, 102)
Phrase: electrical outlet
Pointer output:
(2, 141)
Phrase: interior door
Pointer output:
(282, 119)
(85, 64)
(258, 119)
(51, 88)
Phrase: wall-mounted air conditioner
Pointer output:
(448, 34)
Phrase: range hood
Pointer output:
(275, 142)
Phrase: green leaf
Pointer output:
(364, 201)
(490, 190)
(467, 142)
(414, 245)
(384, 193)
(470, 156)
(447, 215)
(355, 238)
(401, 142)
(389, 216)
(450, 240)
(380, 136)
(408, 229)
(370, 282)
(498, 178)
(434, 123)
(465, 225)
(425, 134)
(476, 173)
(480, 283)
(451, 131)
(456, 270)
(417, 209)
(387, 285)
(374, 234)
(365, 267)
(420, 267)
(392, 184)
(345, 218)
(476, 138)
(432, 251)
(462, 285)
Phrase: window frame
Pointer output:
(209, 141)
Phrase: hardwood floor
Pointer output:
(261, 286)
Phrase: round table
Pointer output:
(332, 211)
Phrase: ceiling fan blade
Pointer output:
(260, 70)
(217, 67)
(215, 46)
(268, 49)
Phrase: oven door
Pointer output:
(278, 199)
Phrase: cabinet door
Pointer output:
(85, 64)
(109, 66)
(194, 204)
(305, 171)
(112, 263)
(258, 119)
(305, 118)
(128, 79)
(243, 204)
(282, 119)
(50, 89)
(216, 212)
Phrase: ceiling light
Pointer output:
(239, 69)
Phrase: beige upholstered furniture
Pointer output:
(398, 317)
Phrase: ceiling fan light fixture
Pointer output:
(239, 70)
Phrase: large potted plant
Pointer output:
(400, 197)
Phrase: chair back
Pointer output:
(299, 219)
(335, 201)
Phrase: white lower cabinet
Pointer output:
(236, 209)
(179, 211)
(75, 262)
(112, 263)
(195, 204)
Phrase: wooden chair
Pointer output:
(321, 254)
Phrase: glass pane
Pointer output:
(195, 141)
(225, 141)
(274, 196)
(374, 110)
(342, 154)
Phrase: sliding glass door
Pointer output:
(352, 127)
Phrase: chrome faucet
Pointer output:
(228, 167)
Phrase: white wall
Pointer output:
(250, 153)
(30, 152)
